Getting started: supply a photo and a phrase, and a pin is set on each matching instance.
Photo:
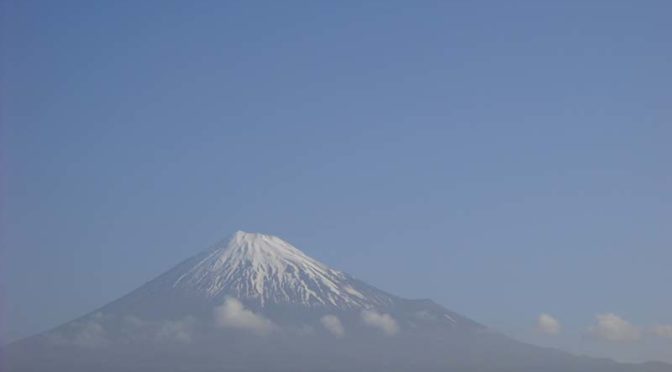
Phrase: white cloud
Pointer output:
(548, 324)
(132, 322)
(91, 334)
(333, 325)
(177, 330)
(611, 327)
(384, 322)
(134, 329)
(232, 314)
(85, 333)
(663, 330)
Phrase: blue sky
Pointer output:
(505, 159)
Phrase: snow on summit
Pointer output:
(267, 269)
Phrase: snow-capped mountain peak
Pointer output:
(266, 269)
(260, 250)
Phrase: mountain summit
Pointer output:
(256, 303)
(267, 269)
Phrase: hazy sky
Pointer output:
(506, 159)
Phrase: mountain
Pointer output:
(256, 303)
(267, 270)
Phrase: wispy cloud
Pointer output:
(384, 322)
(86, 333)
(232, 314)
(177, 330)
(548, 324)
(611, 327)
(135, 329)
(662, 330)
(91, 334)
(332, 324)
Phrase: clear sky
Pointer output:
(505, 159)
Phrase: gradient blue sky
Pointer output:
(503, 158)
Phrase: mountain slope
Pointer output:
(265, 269)
(256, 303)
